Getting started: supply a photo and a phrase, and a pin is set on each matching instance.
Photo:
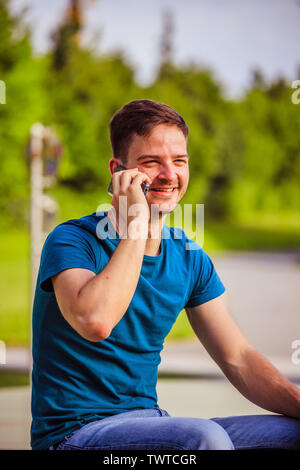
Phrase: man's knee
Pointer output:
(216, 438)
(202, 434)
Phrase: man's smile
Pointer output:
(164, 191)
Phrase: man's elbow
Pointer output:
(93, 330)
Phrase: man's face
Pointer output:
(163, 157)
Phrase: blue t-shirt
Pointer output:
(76, 381)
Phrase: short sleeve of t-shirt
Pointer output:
(207, 283)
(67, 246)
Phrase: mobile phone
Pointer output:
(145, 186)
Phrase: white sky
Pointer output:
(229, 36)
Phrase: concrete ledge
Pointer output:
(189, 358)
(178, 358)
(17, 359)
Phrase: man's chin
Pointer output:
(163, 208)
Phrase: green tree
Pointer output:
(24, 105)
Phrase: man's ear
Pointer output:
(113, 163)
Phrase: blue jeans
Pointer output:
(155, 429)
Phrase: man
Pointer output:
(109, 289)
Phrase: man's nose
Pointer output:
(167, 172)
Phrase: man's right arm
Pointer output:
(93, 304)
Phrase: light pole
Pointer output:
(44, 153)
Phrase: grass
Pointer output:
(13, 379)
(255, 234)
(181, 329)
(14, 287)
(251, 236)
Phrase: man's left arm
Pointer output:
(247, 369)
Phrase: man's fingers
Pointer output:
(126, 177)
(117, 179)
(116, 182)
(139, 179)
(132, 178)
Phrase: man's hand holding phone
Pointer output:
(130, 203)
(145, 185)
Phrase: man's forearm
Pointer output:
(106, 297)
(259, 381)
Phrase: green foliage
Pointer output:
(14, 287)
(244, 155)
(84, 95)
(14, 378)
(24, 105)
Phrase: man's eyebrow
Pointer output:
(142, 157)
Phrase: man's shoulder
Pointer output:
(80, 228)
(177, 237)
(86, 223)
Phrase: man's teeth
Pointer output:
(163, 190)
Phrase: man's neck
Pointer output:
(153, 242)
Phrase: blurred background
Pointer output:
(228, 68)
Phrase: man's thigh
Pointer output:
(148, 429)
(262, 431)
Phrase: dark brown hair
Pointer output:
(140, 117)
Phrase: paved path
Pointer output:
(263, 296)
